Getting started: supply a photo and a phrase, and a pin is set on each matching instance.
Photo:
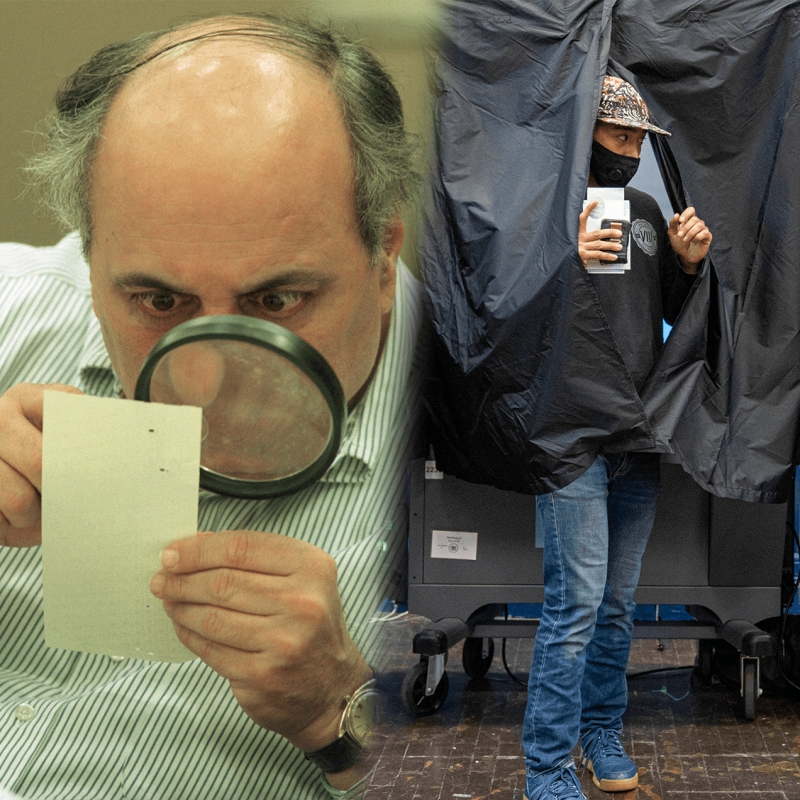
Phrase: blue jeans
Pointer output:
(595, 532)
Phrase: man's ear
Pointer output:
(91, 283)
(393, 243)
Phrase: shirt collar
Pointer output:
(368, 423)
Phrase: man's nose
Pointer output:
(218, 309)
(633, 149)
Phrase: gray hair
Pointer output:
(383, 152)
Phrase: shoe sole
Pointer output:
(607, 785)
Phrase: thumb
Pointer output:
(31, 401)
(585, 215)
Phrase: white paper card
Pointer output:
(119, 483)
(462, 545)
(611, 204)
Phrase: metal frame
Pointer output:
(722, 559)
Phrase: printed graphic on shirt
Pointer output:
(644, 235)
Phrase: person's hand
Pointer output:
(602, 245)
(21, 462)
(690, 239)
(263, 610)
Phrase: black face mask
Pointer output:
(611, 169)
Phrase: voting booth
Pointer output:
(528, 383)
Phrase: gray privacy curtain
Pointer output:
(528, 383)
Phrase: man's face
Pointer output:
(223, 186)
(619, 139)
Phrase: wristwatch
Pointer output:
(355, 731)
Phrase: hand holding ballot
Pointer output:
(263, 610)
(597, 245)
(21, 410)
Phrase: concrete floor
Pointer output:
(689, 743)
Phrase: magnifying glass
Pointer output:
(273, 409)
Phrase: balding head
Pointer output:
(382, 153)
(201, 129)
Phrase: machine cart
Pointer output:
(473, 549)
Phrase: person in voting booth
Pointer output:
(235, 165)
(596, 528)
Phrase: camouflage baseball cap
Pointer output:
(621, 104)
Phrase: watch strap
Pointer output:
(344, 752)
(339, 755)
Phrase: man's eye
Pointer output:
(156, 301)
(163, 302)
(282, 301)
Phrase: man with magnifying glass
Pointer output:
(233, 166)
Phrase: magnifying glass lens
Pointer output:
(273, 409)
(264, 419)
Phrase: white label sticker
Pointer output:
(462, 545)
(431, 473)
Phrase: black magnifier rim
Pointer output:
(279, 340)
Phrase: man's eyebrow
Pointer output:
(292, 277)
(142, 280)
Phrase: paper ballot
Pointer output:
(119, 483)
(611, 205)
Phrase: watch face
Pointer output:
(360, 717)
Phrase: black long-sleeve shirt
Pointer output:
(654, 289)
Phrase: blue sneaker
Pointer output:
(561, 785)
(604, 756)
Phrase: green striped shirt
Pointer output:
(79, 726)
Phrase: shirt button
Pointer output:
(24, 712)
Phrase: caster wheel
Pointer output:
(413, 691)
(701, 677)
(749, 690)
(476, 665)
(705, 656)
